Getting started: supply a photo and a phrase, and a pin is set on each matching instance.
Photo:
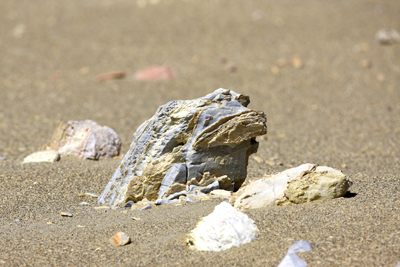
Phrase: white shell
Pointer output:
(224, 228)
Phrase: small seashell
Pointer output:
(136, 218)
(66, 214)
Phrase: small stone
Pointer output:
(50, 223)
(280, 63)
(274, 70)
(3, 158)
(257, 159)
(381, 77)
(136, 218)
(84, 203)
(43, 156)
(66, 214)
(101, 207)
(155, 73)
(110, 76)
(219, 193)
(91, 195)
(366, 63)
(387, 36)
(296, 62)
(146, 207)
(81, 195)
(129, 204)
(120, 239)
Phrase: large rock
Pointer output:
(84, 139)
(188, 143)
(304, 183)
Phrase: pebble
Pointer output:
(84, 203)
(387, 36)
(3, 158)
(110, 76)
(366, 63)
(91, 195)
(50, 223)
(66, 214)
(120, 239)
(43, 156)
(101, 207)
(146, 207)
(129, 204)
(155, 73)
(136, 218)
(296, 62)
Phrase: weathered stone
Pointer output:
(387, 36)
(120, 239)
(84, 139)
(224, 228)
(304, 183)
(43, 156)
(192, 142)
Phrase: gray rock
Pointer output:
(147, 207)
(129, 204)
(191, 141)
(84, 139)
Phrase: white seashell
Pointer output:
(224, 228)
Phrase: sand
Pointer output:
(331, 111)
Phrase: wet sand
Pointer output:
(330, 108)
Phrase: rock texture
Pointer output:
(84, 139)
(224, 228)
(304, 183)
(188, 143)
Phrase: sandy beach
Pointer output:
(330, 91)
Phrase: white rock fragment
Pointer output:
(304, 183)
(66, 214)
(224, 228)
(43, 156)
(387, 36)
(120, 239)
(83, 203)
(291, 259)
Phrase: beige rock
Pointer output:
(120, 239)
(304, 183)
(219, 193)
(43, 156)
